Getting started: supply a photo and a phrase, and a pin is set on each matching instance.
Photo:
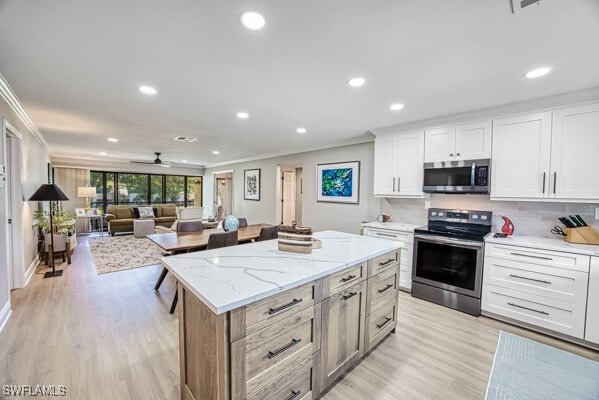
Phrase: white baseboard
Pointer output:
(5, 314)
(31, 269)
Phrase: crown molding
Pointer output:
(539, 104)
(13, 102)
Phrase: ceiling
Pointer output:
(76, 66)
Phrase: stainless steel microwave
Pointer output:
(457, 177)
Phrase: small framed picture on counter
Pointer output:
(338, 182)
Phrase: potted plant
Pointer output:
(61, 225)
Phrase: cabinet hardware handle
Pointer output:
(272, 354)
(284, 306)
(294, 395)
(544, 176)
(387, 320)
(458, 154)
(398, 184)
(530, 279)
(529, 309)
(385, 234)
(554, 181)
(349, 278)
(386, 262)
(528, 255)
(349, 296)
(450, 154)
(393, 185)
(389, 286)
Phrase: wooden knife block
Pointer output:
(582, 235)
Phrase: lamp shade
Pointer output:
(86, 191)
(48, 192)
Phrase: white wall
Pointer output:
(319, 216)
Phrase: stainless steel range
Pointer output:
(448, 258)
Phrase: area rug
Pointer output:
(118, 253)
(524, 369)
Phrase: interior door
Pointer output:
(574, 161)
(440, 144)
(385, 166)
(473, 141)
(289, 189)
(521, 156)
(410, 174)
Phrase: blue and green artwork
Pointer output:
(337, 182)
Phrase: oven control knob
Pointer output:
(440, 214)
(434, 213)
(483, 217)
(474, 216)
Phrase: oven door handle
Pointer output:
(450, 241)
(473, 176)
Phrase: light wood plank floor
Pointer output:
(111, 337)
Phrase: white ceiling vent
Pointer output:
(185, 139)
(518, 5)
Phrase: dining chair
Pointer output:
(189, 226)
(268, 233)
(243, 223)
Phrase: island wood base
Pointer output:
(292, 345)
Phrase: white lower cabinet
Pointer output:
(592, 324)
(540, 288)
(406, 254)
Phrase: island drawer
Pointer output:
(383, 263)
(268, 353)
(380, 323)
(255, 316)
(382, 288)
(346, 278)
(296, 384)
(556, 283)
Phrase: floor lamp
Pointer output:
(50, 192)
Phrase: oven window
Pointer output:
(450, 265)
(447, 176)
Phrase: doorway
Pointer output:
(11, 213)
(223, 192)
(290, 194)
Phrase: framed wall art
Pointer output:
(251, 184)
(338, 182)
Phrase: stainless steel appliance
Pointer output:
(457, 177)
(448, 258)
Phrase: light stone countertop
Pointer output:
(392, 226)
(227, 278)
(555, 244)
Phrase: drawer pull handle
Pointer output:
(529, 309)
(294, 395)
(273, 354)
(349, 296)
(530, 279)
(284, 306)
(387, 320)
(385, 234)
(389, 286)
(528, 255)
(349, 278)
(386, 262)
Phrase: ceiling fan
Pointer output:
(157, 161)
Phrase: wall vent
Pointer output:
(185, 139)
(518, 5)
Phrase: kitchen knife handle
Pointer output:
(544, 176)
(575, 220)
(582, 221)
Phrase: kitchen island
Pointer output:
(257, 323)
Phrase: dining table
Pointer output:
(176, 242)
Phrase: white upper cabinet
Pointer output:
(575, 153)
(398, 165)
(440, 144)
(521, 149)
(469, 141)
(473, 141)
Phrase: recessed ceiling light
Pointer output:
(183, 161)
(252, 20)
(113, 140)
(356, 82)
(301, 130)
(102, 153)
(147, 90)
(537, 73)
(242, 115)
(396, 107)
(215, 152)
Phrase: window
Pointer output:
(139, 189)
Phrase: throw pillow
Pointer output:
(135, 212)
(124, 213)
(155, 209)
(146, 212)
(169, 211)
